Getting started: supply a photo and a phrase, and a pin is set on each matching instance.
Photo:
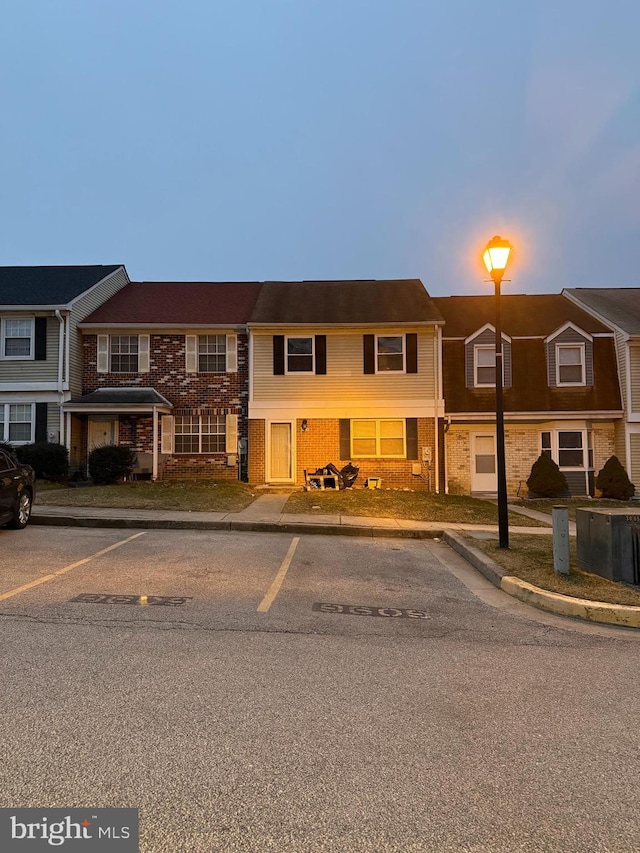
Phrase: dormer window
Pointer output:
(570, 364)
(484, 365)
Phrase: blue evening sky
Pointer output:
(291, 139)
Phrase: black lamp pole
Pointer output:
(503, 512)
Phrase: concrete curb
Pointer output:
(624, 615)
(236, 525)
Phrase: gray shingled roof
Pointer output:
(323, 302)
(619, 305)
(122, 397)
(49, 285)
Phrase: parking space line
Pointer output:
(269, 598)
(68, 568)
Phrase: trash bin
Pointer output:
(608, 543)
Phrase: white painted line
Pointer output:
(68, 568)
(269, 598)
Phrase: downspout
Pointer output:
(61, 355)
(436, 399)
(154, 474)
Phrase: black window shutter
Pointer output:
(41, 421)
(369, 351)
(278, 355)
(345, 439)
(412, 438)
(41, 339)
(412, 352)
(321, 354)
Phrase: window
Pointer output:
(16, 422)
(378, 438)
(566, 447)
(485, 365)
(124, 353)
(17, 338)
(570, 364)
(199, 434)
(212, 353)
(300, 352)
(390, 353)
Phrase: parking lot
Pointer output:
(271, 692)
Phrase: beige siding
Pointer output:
(81, 309)
(53, 420)
(621, 357)
(634, 473)
(30, 370)
(620, 443)
(345, 379)
(634, 364)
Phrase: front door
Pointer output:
(483, 463)
(280, 453)
(101, 432)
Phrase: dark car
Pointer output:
(17, 491)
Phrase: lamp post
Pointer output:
(496, 258)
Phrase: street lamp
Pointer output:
(496, 258)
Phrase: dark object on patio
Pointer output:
(346, 477)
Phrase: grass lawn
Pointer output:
(195, 495)
(388, 503)
(543, 505)
(530, 558)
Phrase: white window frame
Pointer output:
(4, 425)
(377, 354)
(111, 355)
(583, 364)
(555, 447)
(378, 454)
(287, 355)
(484, 348)
(4, 337)
(200, 433)
(224, 354)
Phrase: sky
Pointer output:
(324, 139)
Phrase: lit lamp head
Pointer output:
(496, 257)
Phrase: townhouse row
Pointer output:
(264, 380)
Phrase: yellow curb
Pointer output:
(566, 605)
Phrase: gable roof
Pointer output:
(344, 302)
(178, 303)
(523, 315)
(618, 305)
(49, 285)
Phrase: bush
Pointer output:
(546, 479)
(613, 481)
(50, 461)
(8, 448)
(110, 463)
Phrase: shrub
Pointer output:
(110, 463)
(613, 481)
(546, 479)
(8, 448)
(50, 461)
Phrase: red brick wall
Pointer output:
(225, 392)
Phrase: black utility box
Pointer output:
(608, 543)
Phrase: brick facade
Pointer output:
(190, 393)
(319, 445)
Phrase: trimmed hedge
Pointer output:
(50, 461)
(614, 482)
(546, 479)
(110, 463)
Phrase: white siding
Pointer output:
(82, 308)
(345, 379)
(634, 364)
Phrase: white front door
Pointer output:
(483, 463)
(280, 464)
(101, 432)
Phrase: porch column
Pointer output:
(155, 444)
